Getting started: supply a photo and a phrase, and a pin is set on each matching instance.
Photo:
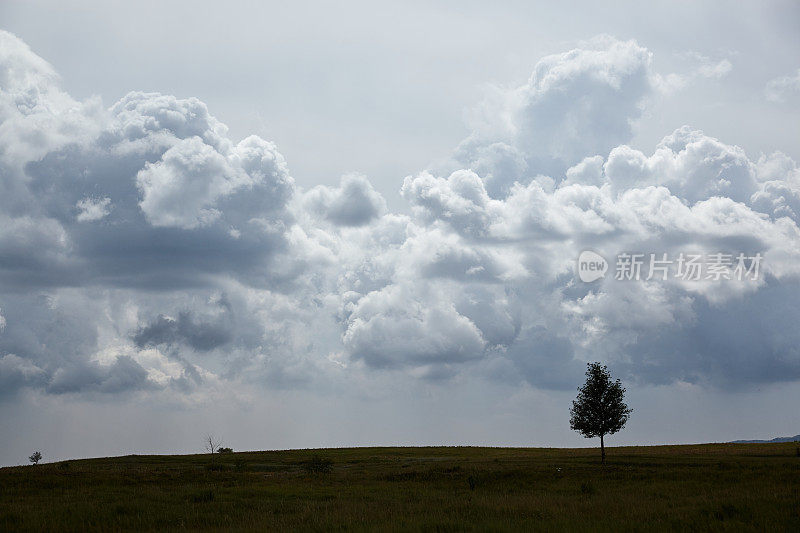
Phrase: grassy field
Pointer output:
(702, 487)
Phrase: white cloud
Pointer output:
(92, 209)
(714, 69)
(692, 165)
(152, 120)
(397, 327)
(181, 189)
(577, 104)
(699, 67)
(354, 203)
(783, 88)
(36, 116)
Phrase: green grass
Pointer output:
(723, 487)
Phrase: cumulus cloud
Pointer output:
(693, 193)
(184, 187)
(36, 115)
(354, 203)
(144, 251)
(395, 328)
(576, 104)
(691, 165)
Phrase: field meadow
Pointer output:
(721, 487)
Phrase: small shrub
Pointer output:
(317, 465)
(225, 450)
(35, 457)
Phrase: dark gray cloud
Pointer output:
(747, 342)
(185, 329)
(123, 375)
(544, 359)
(47, 344)
(17, 373)
(122, 247)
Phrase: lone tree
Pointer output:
(35, 457)
(599, 409)
(212, 443)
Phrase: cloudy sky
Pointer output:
(351, 223)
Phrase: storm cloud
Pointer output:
(142, 250)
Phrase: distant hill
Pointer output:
(776, 439)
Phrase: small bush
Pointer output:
(317, 465)
(35, 457)
(225, 450)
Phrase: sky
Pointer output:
(359, 223)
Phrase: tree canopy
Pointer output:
(600, 408)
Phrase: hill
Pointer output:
(699, 487)
(776, 439)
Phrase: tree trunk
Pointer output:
(602, 450)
